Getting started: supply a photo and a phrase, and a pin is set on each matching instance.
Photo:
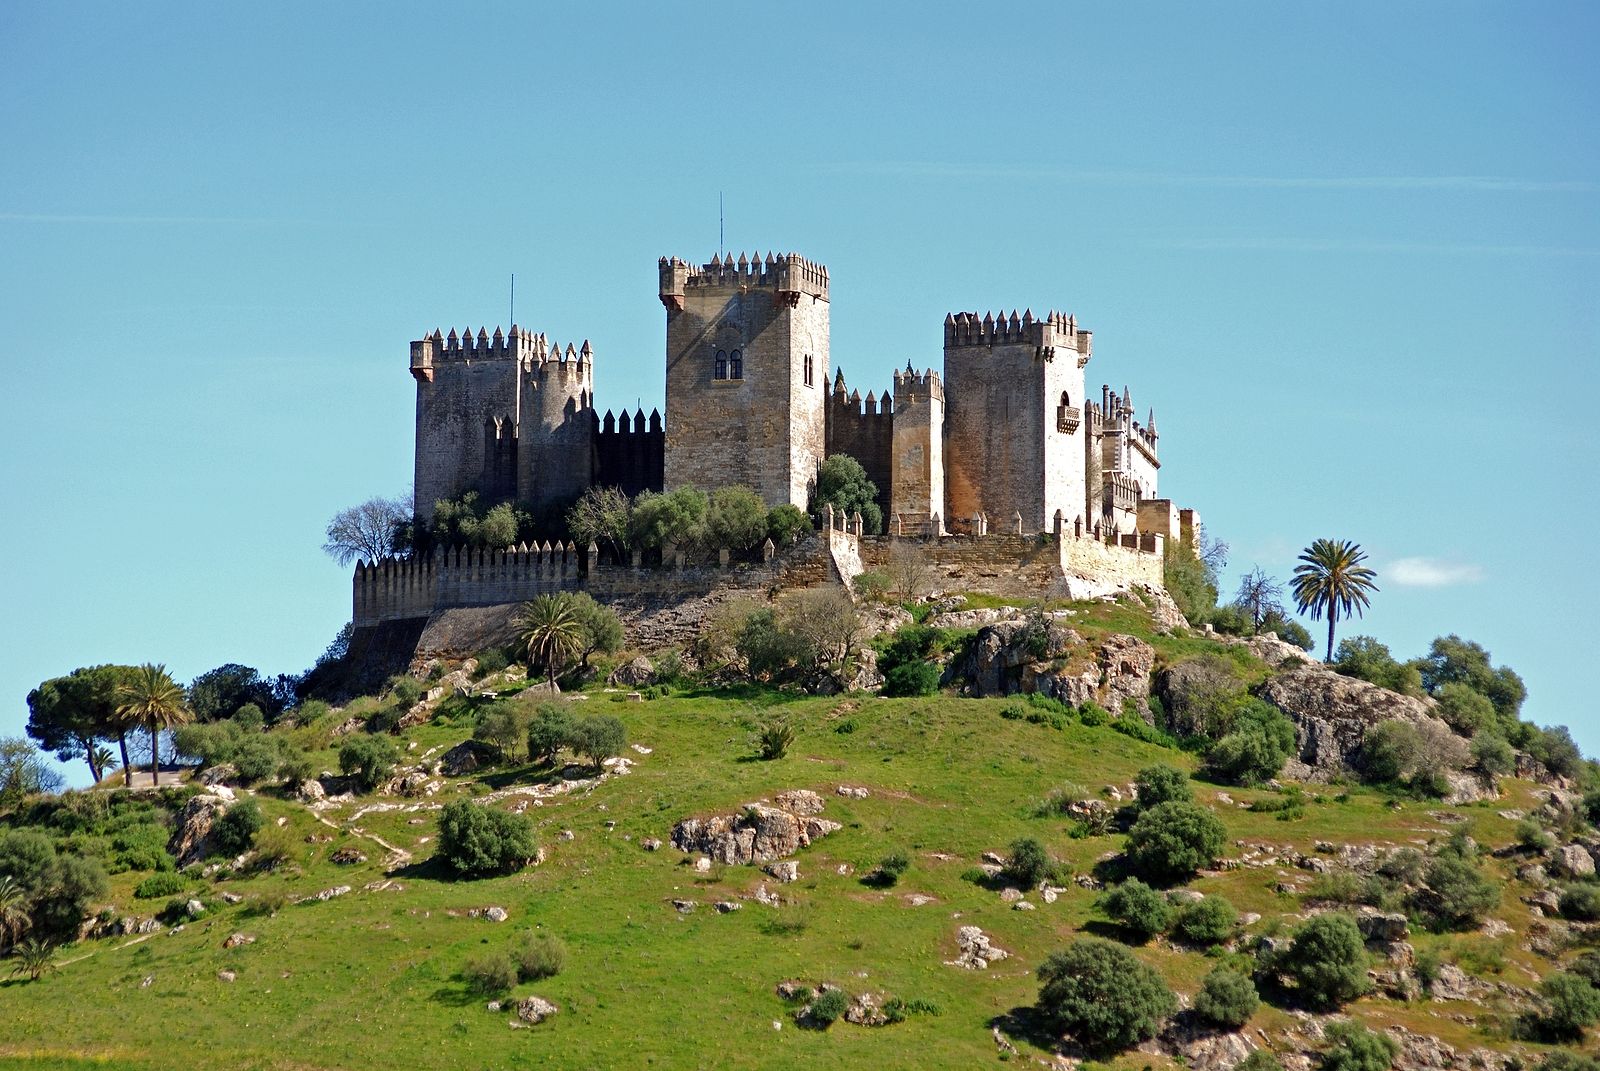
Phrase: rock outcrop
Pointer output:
(761, 833)
(191, 840)
(635, 673)
(1332, 714)
(975, 950)
(1043, 655)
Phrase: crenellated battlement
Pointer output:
(787, 273)
(433, 350)
(1052, 331)
(911, 386)
(852, 404)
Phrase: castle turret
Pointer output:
(747, 373)
(918, 459)
(1014, 440)
(557, 423)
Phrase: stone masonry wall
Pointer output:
(866, 433)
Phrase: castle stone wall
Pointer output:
(917, 477)
(864, 431)
(457, 405)
(629, 453)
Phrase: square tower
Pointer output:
(917, 494)
(1014, 418)
(747, 374)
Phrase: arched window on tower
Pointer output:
(736, 365)
(1067, 418)
(722, 364)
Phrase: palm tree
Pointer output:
(1330, 577)
(551, 630)
(34, 957)
(154, 701)
(105, 760)
(13, 910)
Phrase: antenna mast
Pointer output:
(513, 298)
(719, 222)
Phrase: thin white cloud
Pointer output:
(1471, 183)
(1430, 573)
(1337, 245)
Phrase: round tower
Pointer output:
(555, 447)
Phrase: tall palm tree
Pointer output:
(154, 701)
(551, 630)
(1330, 577)
(14, 916)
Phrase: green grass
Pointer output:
(371, 979)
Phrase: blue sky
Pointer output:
(1350, 253)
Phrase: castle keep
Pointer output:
(1006, 437)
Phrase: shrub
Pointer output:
(1260, 1060)
(539, 955)
(774, 739)
(1464, 710)
(1582, 903)
(1171, 841)
(1028, 865)
(490, 662)
(1532, 837)
(843, 484)
(476, 840)
(1456, 895)
(1255, 748)
(1557, 750)
(1160, 784)
(141, 846)
(404, 691)
(787, 523)
(1587, 966)
(1389, 751)
(367, 760)
(1571, 1004)
(911, 679)
(165, 883)
(490, 973)
(872, 586)
(1326, 960)
(828, 1007)
(236, 828)
(1567, 1060)
(1365, 658)
(1093, 714)
(1355, 1048)
(1207, 921)
(258, 757)
(893, 866)
(1226, 998)
(1099, 993)
(1135, 906)
(897, 1010)
(598, 737)
(548, 732)
(736, 518)
(504, 727)
(1492, 755)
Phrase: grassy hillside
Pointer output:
(371, 979)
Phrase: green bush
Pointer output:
(1226, 998)
(1464, 710)
(893, 866)
(539, 955)
(786, 524)
(1355, 1048)
(367, 760)
(598, 737)
(911, 679)
(1582, 904)
(236, 828)
(1171, 841)
(404, 690)
(1207, 921)
(1492, 755)
(1568, 1060)
(1255, 748)
(548, 732)
(477, 840)
(1028, 865)
(1326, 960)
(490, 662)
(504, 727)
(1571, 1004)
(1094, 715)
(490, 973)
(1532, 837)
(1102, 996)
(1587, 967)
(1366, 659)
(164, 883)
(1455, 894)
(773, 741)
(826, 1009)
(1557, 750)
(1160, 784)
(140, 846)
(1137, 907)
(1389, 752)
(873, 586)
(1260, 1060)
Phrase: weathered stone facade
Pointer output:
(1004, 440)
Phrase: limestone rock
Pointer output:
(194, 909)
(975, 950)
(638, 672)
(466, 757)
(1572, 861)
(760, 833)
(191, 840)
(864, 1011)
(535, 1010)
(236, 940)
(226, 976)
(1332, 714)
(650, 844)
(310, 790)
(1382, 926)
(325, 895)
(220, 774)
(348, 856)
(852, 792)
(799, 801)
(786, 871)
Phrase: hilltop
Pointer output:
(353, 949)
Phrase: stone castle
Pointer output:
(1001, 468)
(1006, 437)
